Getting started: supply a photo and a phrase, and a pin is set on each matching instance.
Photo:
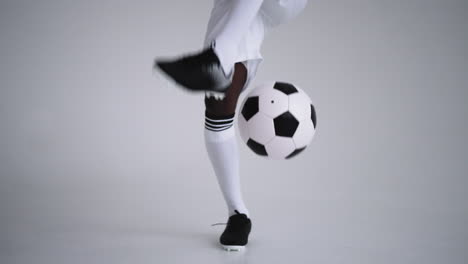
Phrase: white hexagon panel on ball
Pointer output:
(299, 105)
(261, 128)
(280, 147)
(273, 102)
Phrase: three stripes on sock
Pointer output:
(218, 123)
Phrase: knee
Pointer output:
(218, 107)
(227, 105)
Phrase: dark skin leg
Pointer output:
(227, 106)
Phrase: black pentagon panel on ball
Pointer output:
(285, 125)
(286, 88)
(295, 152)
(256, 147)
(250, 107)
(313, 115)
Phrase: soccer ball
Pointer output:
(277, 120)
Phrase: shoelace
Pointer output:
(219, 224)
(237, 212)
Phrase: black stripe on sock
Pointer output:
(217, 129)
(227, 122)
(218, 123)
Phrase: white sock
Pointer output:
(241, 15)
(221, 145)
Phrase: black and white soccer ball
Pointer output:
(277, 120)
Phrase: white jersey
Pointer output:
(272, 13)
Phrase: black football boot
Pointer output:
(236, 234)
(198, 72)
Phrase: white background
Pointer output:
(103, 162)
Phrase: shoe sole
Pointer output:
(233, 248)
(209, 94)
(157, 69)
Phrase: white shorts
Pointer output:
(271, 14)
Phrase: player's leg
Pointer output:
(211, 69)
(222, 148)
(240, 17)
(221, 141)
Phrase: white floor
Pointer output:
(142, 221)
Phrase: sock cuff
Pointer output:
(218, 123)
(216, 117)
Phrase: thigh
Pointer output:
(227, 105)
(218, 17)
